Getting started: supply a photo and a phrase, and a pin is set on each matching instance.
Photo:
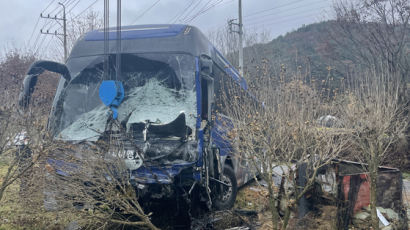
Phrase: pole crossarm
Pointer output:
(49, 17)
(231, 23)
(64, 34)
(55, 33)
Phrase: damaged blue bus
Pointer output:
(171, 79)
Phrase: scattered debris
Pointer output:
(238, 228)
(382, 218)
(246, 212)
(255, 189)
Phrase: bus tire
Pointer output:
(227, 199)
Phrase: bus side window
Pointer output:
(220, 84)
(204, 99)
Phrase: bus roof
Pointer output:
(137, 32)
(145, 39)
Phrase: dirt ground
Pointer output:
(254, 197)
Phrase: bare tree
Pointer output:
(77, 26)
(226, 41)
(22, 145)
(374, 31)
(13, 66)
(80, 25)
(275, 128)
(15, 150)
(94, 181)
(377, 120)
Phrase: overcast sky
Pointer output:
(20, 23)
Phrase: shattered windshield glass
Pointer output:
(158, 87)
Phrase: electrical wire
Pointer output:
(53, 23)
(85, 9)
(282, 21)
(259, 20)
(143, 13)
(69, 11)
(186, 14)
(175, 18)
(283, 11)
(48, 6)
(203, 11)
(38, 20)
(273, 8)
(185, 19)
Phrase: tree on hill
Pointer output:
(374, 32)
(377, 34)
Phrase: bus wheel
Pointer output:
(227, 198)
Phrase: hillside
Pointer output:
(312, 51)
(308, 47)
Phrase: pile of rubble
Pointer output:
(388, 219)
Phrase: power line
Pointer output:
(198, 3)
(67, 2)
(286, 20)
(204, 6)
(38, 20)
(36, 42)
(48, 6)
(69, 11)
(175, 18)
(273, 8)
(143, 13)
(86, 9)
(187, 17)
(227, 2)
(55, 22)
(282, 11)
(52, 23)
(262, 19)
(40, 44)
(203, 11)
(64, 20)
(34, 29)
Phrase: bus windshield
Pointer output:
(158, 87)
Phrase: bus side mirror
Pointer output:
(205, 64)
(34, 71)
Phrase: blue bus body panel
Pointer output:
(158, 175)
(62, 168)
(219, 133)
(137, 32)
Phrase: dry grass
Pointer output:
(27, 213)
(252, 197)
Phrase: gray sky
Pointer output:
(19, 27)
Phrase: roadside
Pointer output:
(250, 212)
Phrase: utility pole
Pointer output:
(64, 34)
(239, 31)
(240, 38)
